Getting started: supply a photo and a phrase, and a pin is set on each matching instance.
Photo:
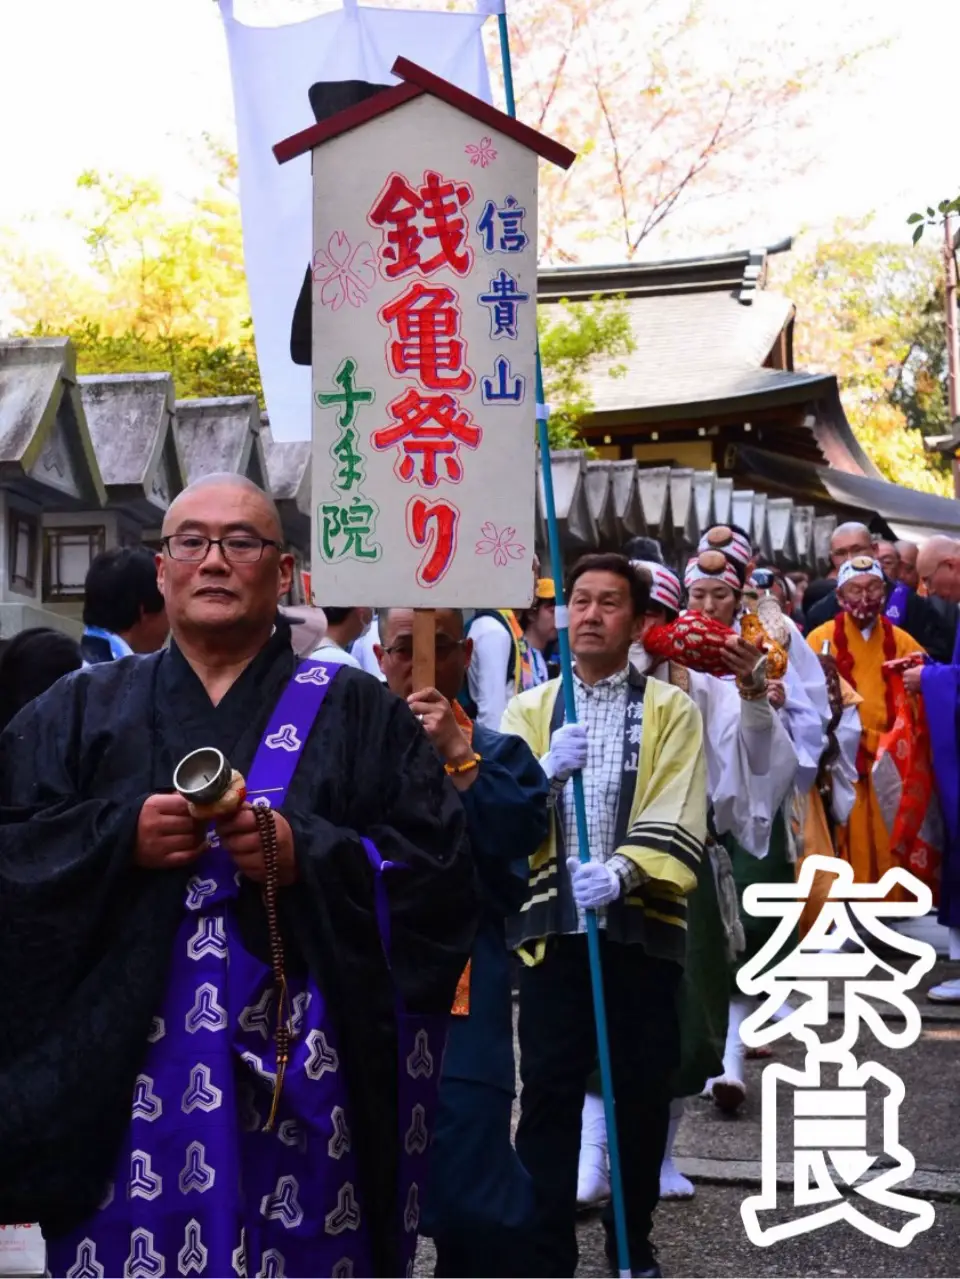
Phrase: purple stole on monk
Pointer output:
(200, 1188)
(896, 610)
(941, 701)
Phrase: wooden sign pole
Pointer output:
(424, 648)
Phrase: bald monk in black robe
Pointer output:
(96, 858)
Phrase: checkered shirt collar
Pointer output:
(615, 681)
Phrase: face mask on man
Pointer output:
(863, 611)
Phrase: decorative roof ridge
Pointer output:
(734, 269)
(114, 379)
(417, 80)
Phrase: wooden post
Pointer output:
(424, 648)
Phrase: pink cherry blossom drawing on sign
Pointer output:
(345, 274)
(500, 544)
(482, 153)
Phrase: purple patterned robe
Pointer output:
(198, 1187)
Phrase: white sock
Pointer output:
(673, 1184)
(593, 1177)
(594, 1130)
(783, 1011)
(955, 943)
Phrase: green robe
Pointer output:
(705, 990)
(775, 868)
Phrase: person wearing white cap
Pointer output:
(751, 764)
(744, 736)
(308, 626)
(805, 706)
(714, 581)
(805, 678)
(810, 721)
(861, 639)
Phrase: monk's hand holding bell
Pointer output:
(168, 835)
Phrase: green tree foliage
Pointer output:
(164, 291)
(932, 217)
(198, 365)
(573, 335)
(871, 312)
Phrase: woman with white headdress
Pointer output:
(805, 705)
(715, 581)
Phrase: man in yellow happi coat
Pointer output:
(861, 639)
(639, 744)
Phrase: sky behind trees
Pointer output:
(132, 85)
(709, 124)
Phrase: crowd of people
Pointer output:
(246, 1044)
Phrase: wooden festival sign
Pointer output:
(424, 348)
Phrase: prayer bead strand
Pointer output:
(267, 827)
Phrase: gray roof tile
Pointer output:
(127, 414)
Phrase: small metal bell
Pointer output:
(203, 776)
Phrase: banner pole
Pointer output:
(570, 708)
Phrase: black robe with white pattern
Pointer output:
(85, 935)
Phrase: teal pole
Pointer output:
(580, 808)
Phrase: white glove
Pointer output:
(567, 753)
(593, 883)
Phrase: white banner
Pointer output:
(272, 69)
(424, 345)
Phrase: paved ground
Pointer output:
(705, 1236)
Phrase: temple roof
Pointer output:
(221, 435)
(707, 334)
(906, 513)
(289, 476)
(46, 452)
(130, 417)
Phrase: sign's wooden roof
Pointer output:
(415, 81)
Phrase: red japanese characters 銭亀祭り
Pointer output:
(424, 348)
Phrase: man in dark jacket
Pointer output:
(903, 607)
(123, 610)
(478, 1208)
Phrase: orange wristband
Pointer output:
(451, 769)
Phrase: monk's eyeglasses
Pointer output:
(237, 548)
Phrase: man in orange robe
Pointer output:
(861, 640)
